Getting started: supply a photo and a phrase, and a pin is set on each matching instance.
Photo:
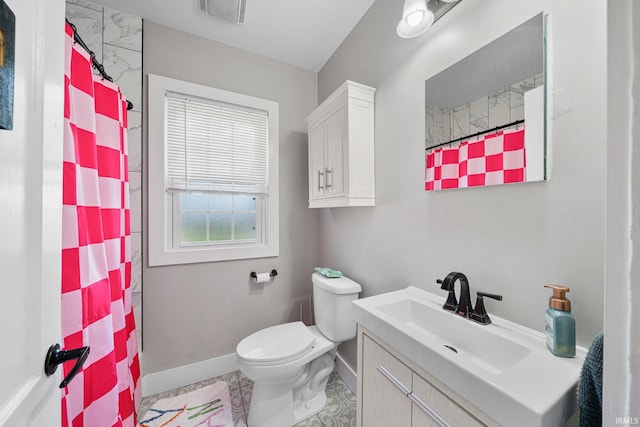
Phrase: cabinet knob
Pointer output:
(320, 174)
(326, 178)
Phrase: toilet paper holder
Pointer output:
(254, 275)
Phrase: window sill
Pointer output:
(159, 257)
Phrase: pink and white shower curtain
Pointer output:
(96, 253)
(497, 158)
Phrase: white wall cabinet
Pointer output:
(341, 149)
(392, 393)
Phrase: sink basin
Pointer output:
(486, 350)
(503, 368)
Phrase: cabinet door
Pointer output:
(316, 163)
(336, 140)
(439, 404)
(383, 403)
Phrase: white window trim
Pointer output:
(160, 228)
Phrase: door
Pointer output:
(316, 163)
(335, 167)
(30, 217)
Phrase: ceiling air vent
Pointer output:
(229, 10)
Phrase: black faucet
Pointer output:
(462, 308)
(480, 313)
(451, 303)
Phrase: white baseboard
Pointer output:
(170, 379)
(184, 375)
(347, 373)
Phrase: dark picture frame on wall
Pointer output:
(7, 64)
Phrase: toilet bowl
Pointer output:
(290, 363)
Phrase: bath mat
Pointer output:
(208, 406)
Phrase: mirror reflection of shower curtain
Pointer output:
(96, 253)
(497, 158)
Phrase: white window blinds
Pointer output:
(215, 147)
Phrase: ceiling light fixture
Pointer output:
(416, 19)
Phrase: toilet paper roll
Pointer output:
(263, 278)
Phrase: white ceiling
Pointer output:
(304, 33)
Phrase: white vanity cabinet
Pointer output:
(391, 392)
(341, 149)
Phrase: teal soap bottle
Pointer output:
(560, 325)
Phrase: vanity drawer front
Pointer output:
(439, 403)
(384, 402)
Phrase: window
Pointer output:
(213, 174)
(215, 218)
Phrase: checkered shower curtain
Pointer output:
(96, 252)
(497, 158)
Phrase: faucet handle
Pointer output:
(452, 303)
(479, 312)
(481, 294)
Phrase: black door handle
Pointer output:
(56, 356)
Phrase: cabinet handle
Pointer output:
(415, 399)
(320, 174)
(396, 382)
(428, 410)
(326, 177)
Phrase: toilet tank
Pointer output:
(332, 306)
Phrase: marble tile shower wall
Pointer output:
(116, 39)
(496, 109)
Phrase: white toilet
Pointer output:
(290, 363)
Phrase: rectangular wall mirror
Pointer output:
(485, 116)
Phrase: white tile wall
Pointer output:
(499, 107)
(122, 30)
(85, 4)
(479, 115)
(136, 263)
(135, 141)
(88, 22)
(437, 125)
(125, 67)
(460, 121)
(496, 109)
(538, 79)
(516, 98)
(428, 126)
(135, 200)
(116, 39)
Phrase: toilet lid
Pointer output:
(276, 343)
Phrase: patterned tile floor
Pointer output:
(340, 410)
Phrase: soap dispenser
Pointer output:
(560, 325)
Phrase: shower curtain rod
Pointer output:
(508, 125)
(96, 64)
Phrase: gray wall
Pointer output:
(509, 239)
(200, 311)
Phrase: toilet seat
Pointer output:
(276, 344)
